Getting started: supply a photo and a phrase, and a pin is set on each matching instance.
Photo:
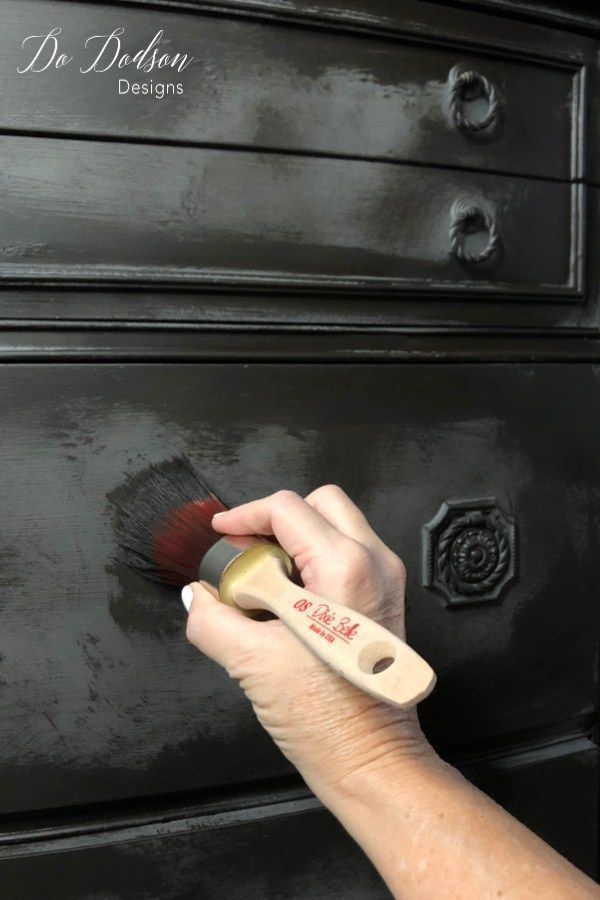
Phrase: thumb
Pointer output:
(220, 631)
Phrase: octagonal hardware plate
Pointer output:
(469, 552)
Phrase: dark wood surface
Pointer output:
(553, 790)
(102, 696)
(290, 849)
(259, 273)
(253, 84)
(578, 16)
(287, 850)
(147, 214)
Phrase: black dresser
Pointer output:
(354, 241)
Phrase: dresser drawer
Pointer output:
(88, 211)
(102, 696)
(288, 851)
(285, 87)
(304, 853)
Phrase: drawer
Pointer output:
(295, 851)
(102, 696)
(89, 211)
(303, 851)
(284, 87)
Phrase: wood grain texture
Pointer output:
(83, 211)
(255, 84)
(103, 699)
(345, 639)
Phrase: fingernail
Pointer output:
(187, 595)
(216, 515)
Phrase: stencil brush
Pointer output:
(165, 532)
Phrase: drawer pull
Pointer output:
(470, 552)
(468, 86)
(466, 219)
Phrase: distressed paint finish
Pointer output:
(291, 849)
(252, 84)
(102, 696)
(83, 210)
(155, 258)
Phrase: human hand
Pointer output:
(427, 830)
(332, 732)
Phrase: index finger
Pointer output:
(336, 506)
(299, 527)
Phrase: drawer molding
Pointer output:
(172, 215)
(323, 92)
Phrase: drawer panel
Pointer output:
(285, 850)
(303, 851)
(89, 211)
(103, 698)
(555, 794)
(260, 84)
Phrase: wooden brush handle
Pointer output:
(362, 651)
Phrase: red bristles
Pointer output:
(164, 521)
(178, 549)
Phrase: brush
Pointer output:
(164, 517)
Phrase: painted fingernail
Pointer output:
(187, 595)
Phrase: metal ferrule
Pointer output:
(221, 555)
(229, 563)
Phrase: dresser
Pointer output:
(351, 241)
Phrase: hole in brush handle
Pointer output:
(376, 657)
(382, 664)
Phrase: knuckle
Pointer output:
(395, 566)
(242, 663)
(357, 564)
(284, 497)
(331, 491)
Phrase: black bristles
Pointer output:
(164, 519)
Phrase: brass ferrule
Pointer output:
(230, 557)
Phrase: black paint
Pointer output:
(284, 290)
(312, 91)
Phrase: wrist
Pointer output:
(374, 761)
(389, 804)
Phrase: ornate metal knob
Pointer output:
(470, 552)
(467, 86)
(467, 219)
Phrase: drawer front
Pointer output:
(259, 84)
(295, 851)
(303, 852)
(103, 698)
(90, 211)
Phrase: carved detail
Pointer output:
(470, 552)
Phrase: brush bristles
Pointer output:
(164, 517)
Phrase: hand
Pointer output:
(332, 732)
(428, 831)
